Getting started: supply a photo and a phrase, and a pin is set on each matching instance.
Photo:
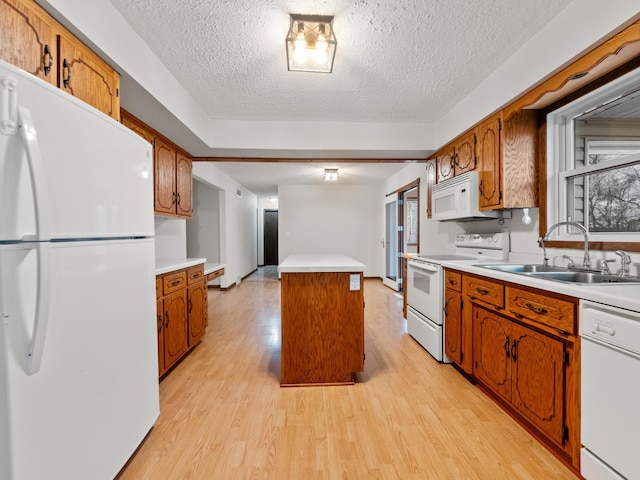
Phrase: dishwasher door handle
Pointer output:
(599, 328)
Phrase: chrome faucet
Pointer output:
(625, 260)
(545, 260)
(586, 262)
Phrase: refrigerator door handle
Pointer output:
(39, 188)
(8, 106)
(42, 213)
(41, 320)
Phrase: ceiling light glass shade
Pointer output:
(311, 43)
(331, 175)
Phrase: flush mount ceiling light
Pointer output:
(311, 43)
(331, 175)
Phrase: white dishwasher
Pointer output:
(610, 418)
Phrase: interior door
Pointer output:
(270, 237)
(392, 242)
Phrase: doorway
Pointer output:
(270, 237)
(392, 241)
(401, 231)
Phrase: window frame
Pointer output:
(560, 165)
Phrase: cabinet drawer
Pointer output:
(158, 287)
(484, 291)
(195, 274)
(553, 312)
(214, 275)
(174, 282)
(453, 280)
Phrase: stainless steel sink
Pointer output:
(523, 268)
(588, 278)
(560, 274)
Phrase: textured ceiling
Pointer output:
(263, 178)
(396, 61)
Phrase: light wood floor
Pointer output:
(224, 415)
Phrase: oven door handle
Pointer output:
(429, 267)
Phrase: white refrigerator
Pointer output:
(78, 344)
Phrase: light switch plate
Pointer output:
(354, 282)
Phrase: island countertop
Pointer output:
(320, 262)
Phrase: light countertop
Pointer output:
(618, 295)
(166, 265)
(306, 263)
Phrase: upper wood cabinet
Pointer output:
(84, 75)
(28, 39)
(132, 123)
(507, 152)
(184, 165)
(164, 164)
(445, 164)
(465, 153)
(32, 40)
(172, 180)
(172, 171)
(458, 157)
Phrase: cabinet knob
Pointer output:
(66, 73)
(47, 55)
(538, 310)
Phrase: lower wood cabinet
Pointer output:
(175, 326)
(182, 310)
(197, 311)
(322, 328)
(524, 367)
(521, 345)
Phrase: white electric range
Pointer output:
(425, 285)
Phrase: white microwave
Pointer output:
(457, 199)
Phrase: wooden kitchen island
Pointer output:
(322, 319)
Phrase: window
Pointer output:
(593, 163)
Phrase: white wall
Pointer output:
(203, 230)
(171, 239)
(237, 223)
(342, 219)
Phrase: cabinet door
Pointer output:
(183, 184)
(28, 39)
(490, 162)
(537, 377)
(86, 76)
(159, 314)
(165, 177)
(197, 299)
(175, 327)
(452, 326)
(135, 125)
(465, 151)
(491, 351)
(445, 165)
